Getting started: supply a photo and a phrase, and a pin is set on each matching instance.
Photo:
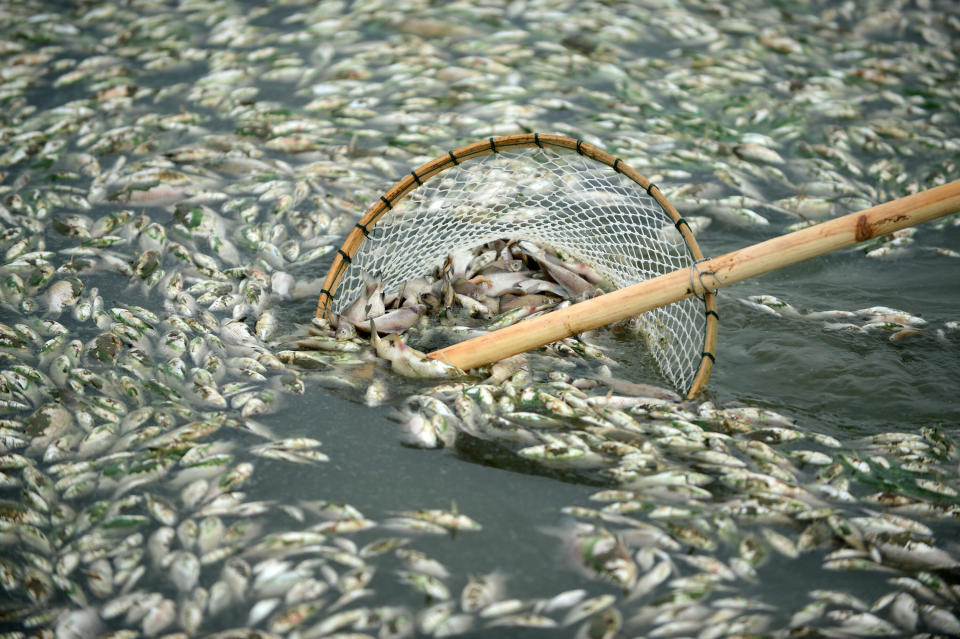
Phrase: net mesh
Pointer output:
(559, 199)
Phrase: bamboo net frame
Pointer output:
(456, 157)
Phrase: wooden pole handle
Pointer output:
(715, 273)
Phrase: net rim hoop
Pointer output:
(455, 157)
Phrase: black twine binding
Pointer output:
(327, 293)
(616, 163)
(453, 157)
(346, 258)
(682, 221)
(714, 313)
(536, 140)
(650, 186)
(710, 355)
(386, 201)
(579, 150)
(493, 147)
(363, 229)
(416, 178)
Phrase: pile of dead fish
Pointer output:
(173, 182)
(688, 482)
(128, 403)
(498, 283)
(509, 279)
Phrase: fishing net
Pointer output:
(549, 189)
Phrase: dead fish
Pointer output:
(408, 361)
(396, 321)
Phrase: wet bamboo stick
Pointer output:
(714, 273)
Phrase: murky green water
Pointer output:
(854, 385)
(290, 119)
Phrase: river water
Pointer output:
(282, 122)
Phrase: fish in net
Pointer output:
(576, 201)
